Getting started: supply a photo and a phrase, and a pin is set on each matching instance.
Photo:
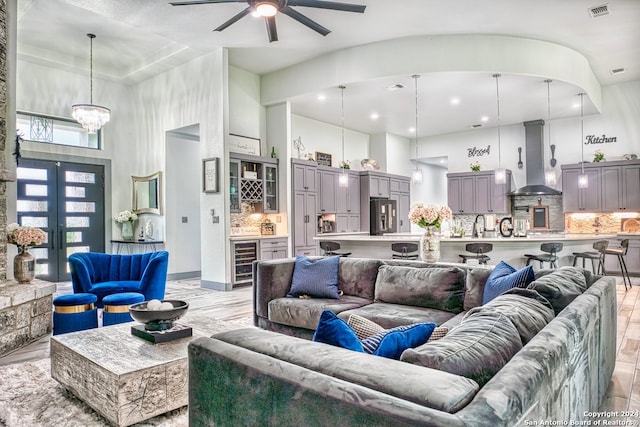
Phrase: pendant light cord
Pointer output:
(342, 88)
(415, 78)
(548, 82)
(497, 76)
(91, 37)
(582, 131)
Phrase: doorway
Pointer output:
(66, 200)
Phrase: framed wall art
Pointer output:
(210, 175)
(243, 144)
(323, 158)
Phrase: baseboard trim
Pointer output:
(216, 286)
(185, 275)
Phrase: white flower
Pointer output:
(125, 216)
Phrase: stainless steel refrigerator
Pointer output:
(383, 216)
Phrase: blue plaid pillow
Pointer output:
(315, 278)
(504, 277)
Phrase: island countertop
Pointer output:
(508, 249)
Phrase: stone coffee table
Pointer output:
(125, 378)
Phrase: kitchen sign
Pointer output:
(604, 139)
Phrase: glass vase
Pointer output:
(127, 230)
(24, 266)
(430, 245)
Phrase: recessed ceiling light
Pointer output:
(576, 105)
(484, 118)
(455, 101)
(412, 129)
(395, 86)
(322, 97)
(375, 116)
(441, 160)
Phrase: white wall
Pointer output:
(246, 115)
(327, 138)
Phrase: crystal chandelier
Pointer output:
(91, 117)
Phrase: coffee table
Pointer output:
(123, 377)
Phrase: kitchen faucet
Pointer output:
(476, 229)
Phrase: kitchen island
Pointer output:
(508, 249)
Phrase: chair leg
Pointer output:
(541, 264)
(575, 260)
(593, 266)
(528, 261)
(625, 272)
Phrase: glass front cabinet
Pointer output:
(254, 180)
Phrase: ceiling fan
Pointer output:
(269, 8)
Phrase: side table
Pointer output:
(131, 246)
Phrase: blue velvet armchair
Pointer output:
(105, 274)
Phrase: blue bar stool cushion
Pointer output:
(116, 307)
(74, 312)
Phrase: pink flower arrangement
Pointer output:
(25, 237)
(429, 215)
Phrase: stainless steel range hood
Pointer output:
(534, 151)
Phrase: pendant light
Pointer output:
(343, 179)
(583, 179)
(91, 117)
(500, 174)
(416, 175)
(550, 175)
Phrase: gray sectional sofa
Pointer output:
(537, 354)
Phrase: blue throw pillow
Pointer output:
(315, 278)
(505, 277)
(392, 342)
(335, 331)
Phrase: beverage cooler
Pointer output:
(244, 253)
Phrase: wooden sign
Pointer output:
(323, 158)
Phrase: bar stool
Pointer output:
(74, 312)
(330, 248)
(116, 307)
(620, 253)
(551, 255)
(404, 250)
(479, 250)
(600, 247)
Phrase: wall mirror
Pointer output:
(147, 193)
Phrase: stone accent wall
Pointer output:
(25, 313)
(4, 175)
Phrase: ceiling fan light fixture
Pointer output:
(266, 8)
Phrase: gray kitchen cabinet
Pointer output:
(400, 192)
(348, 198)
(375, 184)
(347, 223)
(304, 175)
(253, 179)
(477, 193)
(304, 206)
(273, 248)
(620, 188)
(576, 199)
(327, 178)
(270, 188)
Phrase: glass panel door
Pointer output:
(66, 200)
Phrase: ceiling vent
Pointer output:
(596, 12)
(617, 71)
(477, 125)
(395, 86)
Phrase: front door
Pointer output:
(66, 200)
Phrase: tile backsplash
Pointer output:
(596, 222)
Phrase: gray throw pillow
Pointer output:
(526, 309)
(438, 288)
(477, 348)
(560, 287)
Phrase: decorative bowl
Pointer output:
(158, 320)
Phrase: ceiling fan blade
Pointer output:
(304, 20)
(187, 3)
(271, 28)
(235, 19)
(346, 7)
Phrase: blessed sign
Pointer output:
(478, 152)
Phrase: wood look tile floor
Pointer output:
(623, 393)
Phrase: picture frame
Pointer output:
(323, 158)
(243, 144)
(210, 175)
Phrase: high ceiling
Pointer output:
(137, 39)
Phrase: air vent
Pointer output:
(477, 125)
(617, 71)
(395, 86)
(596, 12)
